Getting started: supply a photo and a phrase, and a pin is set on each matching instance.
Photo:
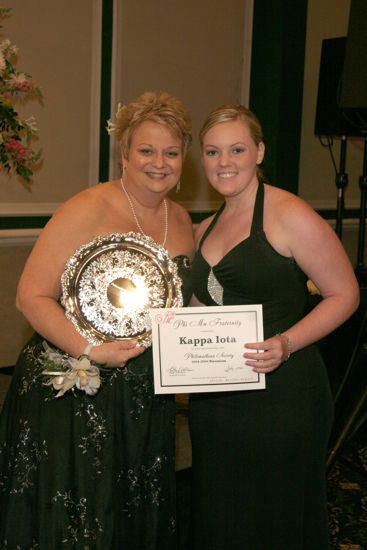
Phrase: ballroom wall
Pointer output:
(316, 179)
(59, 47)
(199, 51)
(201, 54)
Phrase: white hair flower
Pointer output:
(112, 127)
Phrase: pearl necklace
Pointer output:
(136, 217)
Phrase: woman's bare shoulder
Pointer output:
(76, 220)
(280, 202)
(179, 212)
(86, 206)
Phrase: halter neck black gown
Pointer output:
(84, 472)
(259, 455)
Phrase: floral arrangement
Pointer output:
(16, 134)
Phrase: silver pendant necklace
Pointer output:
(136, 217)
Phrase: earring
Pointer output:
(178, 186)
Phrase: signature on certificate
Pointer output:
(176, 371)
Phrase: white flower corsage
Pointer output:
(65, 372)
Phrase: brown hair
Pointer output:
(152, 106)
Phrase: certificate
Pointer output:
(200, 349)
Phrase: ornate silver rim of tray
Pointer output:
(110, 284)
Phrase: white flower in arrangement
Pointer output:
(8, 47)
(2, 61)
(31, 125)
(7, 52)
(5, 44)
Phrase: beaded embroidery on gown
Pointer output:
(259, 456)
(88, 472)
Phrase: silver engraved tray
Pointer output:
(110, 284)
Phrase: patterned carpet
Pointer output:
(347, 494)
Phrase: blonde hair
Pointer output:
(158, 107)
(229, 112)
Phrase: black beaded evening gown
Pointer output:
(88, 472)
(259, 456)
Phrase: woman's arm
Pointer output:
(320, 254)
(39, 287)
